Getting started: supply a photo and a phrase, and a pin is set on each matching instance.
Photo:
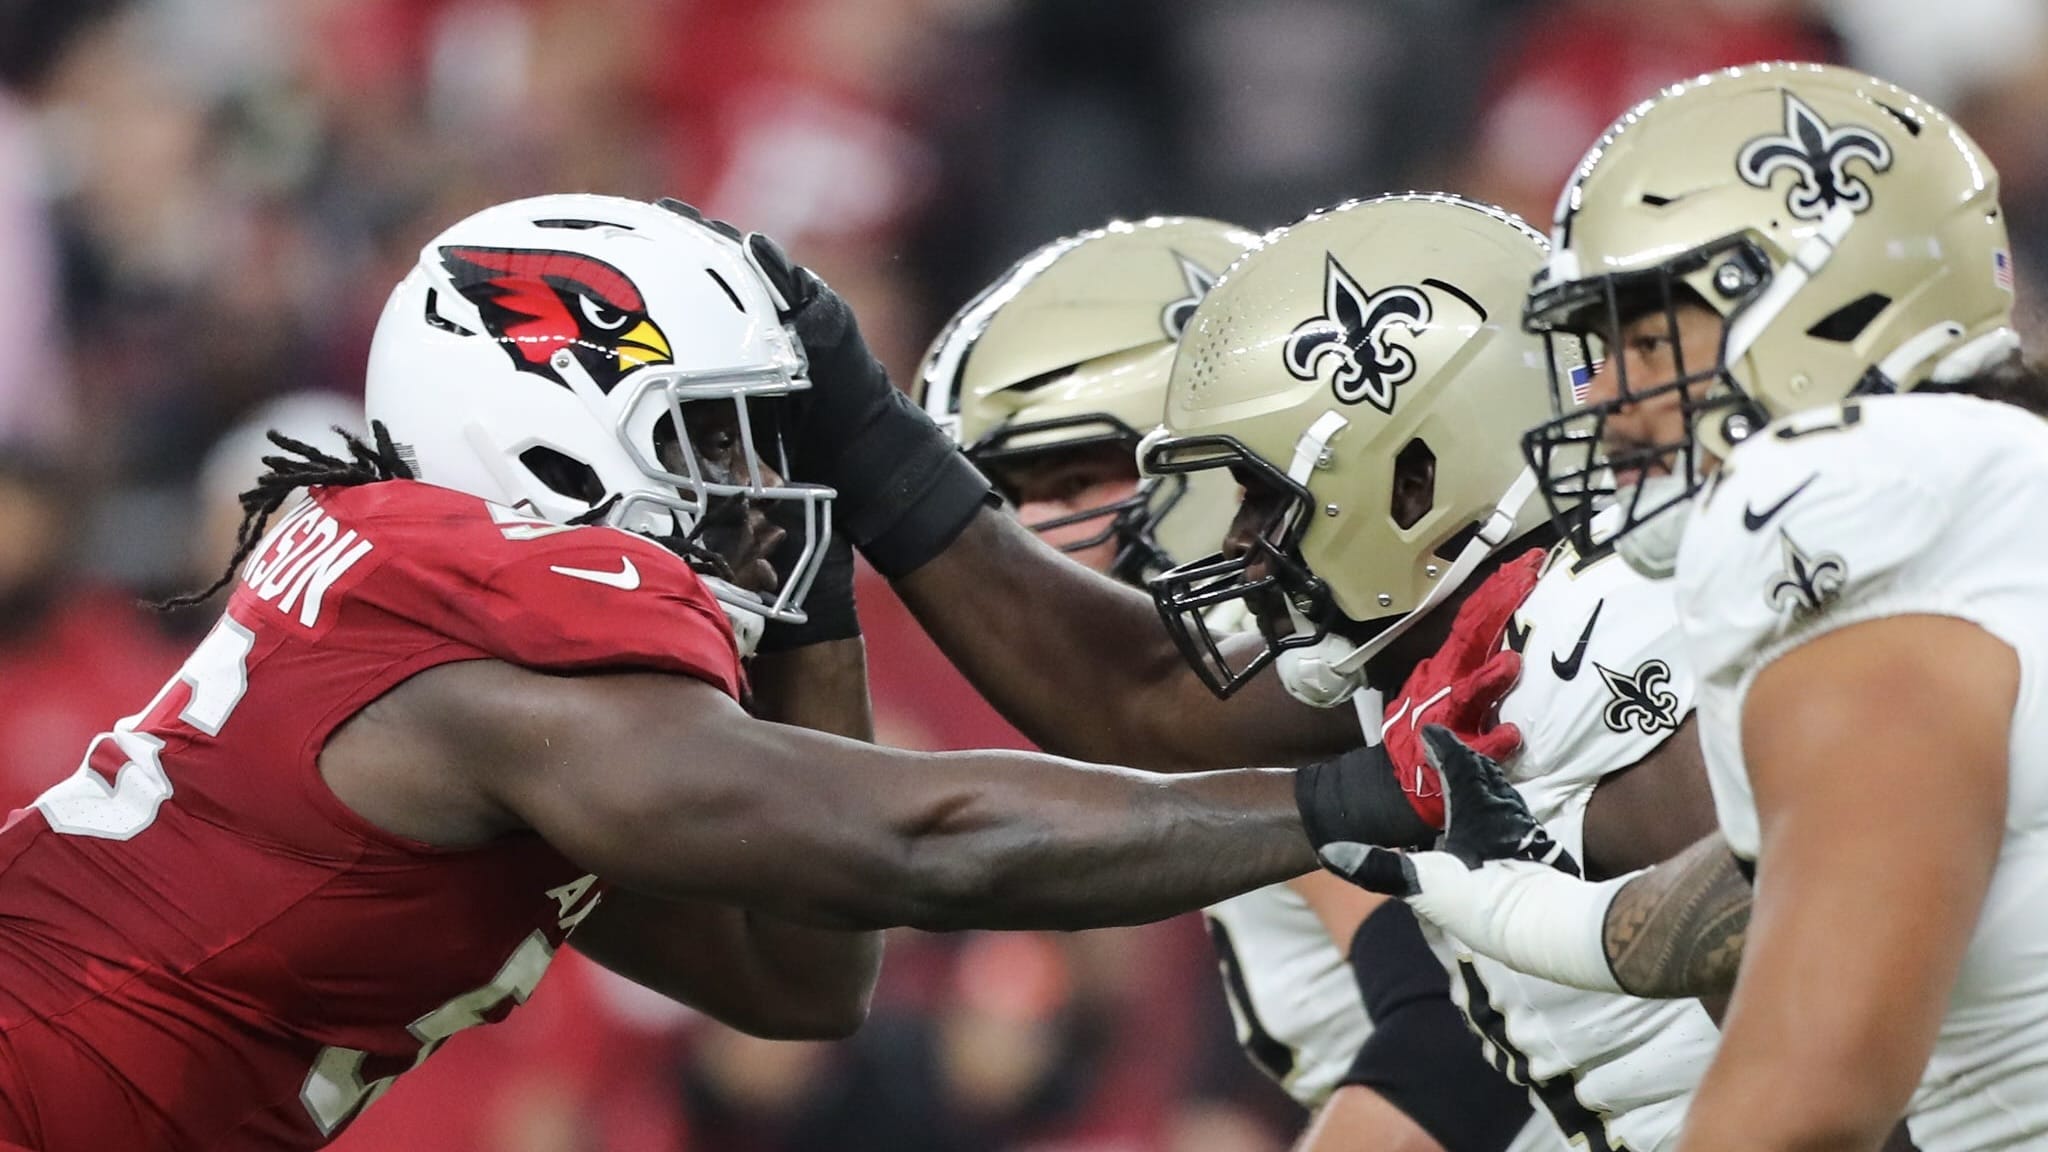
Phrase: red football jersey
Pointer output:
(201, 948)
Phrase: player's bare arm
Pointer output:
(756, 972)
(1678, 929)
(1123, 692)
(1839, 736)
(752, 971)
(662, 784)
(1357, 1119)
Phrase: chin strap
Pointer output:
(1329, 671)
(1805, 264)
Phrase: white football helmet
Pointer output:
(541, 355)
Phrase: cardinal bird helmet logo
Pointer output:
(541, 306)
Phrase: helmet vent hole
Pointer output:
(563, 474)
(1034, 383)
(1414, 484)
(1846, 323)
(1656, 201)
(436, 320)
(727, 288)
(1907, 120)
(581, 225)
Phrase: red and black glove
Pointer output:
(1461, 687)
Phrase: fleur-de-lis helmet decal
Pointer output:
(1173, 319)
(1354, 333)
(1819, 154)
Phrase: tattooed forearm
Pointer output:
(1677, 930)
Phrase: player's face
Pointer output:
(738, 530)
(1072, 499)
(1648, 352)
(1261, 515)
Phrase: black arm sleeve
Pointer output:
(1421, 1057)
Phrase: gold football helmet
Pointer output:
(1847, 233)
(1070, 350)
(1364, 376)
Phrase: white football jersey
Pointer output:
(1889, 506)
(1292, 994)
(1295, 1001)
(1604, 683)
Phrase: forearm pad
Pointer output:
(1421, 1056)
(905, 491)
(1530, 917)
(1358, 798)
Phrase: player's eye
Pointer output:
(1647, 346)
(717, 443)
(602, 314)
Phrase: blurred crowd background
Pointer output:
(204, 202)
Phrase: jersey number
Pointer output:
(335, 1089)
(84, 804)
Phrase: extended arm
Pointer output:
(1078, 662)
(1869, 881)
(1082, 665)
(663, 785)
(760, 974)
(1505, 890)
(1676, 930)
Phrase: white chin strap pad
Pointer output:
(1310, 674)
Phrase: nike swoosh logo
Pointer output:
(1755, 520)
(625, 579)
(1568, 669)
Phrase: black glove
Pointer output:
(905, 490)
(1487, 820)
(1487, 817)
(1357, 799)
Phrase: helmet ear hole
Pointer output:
(1846, 323)
(1414, 484)
(564, 474)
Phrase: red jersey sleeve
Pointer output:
(542, 595)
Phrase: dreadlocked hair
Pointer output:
(2015, 381)
(304, 466)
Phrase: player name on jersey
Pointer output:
(301, 559)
